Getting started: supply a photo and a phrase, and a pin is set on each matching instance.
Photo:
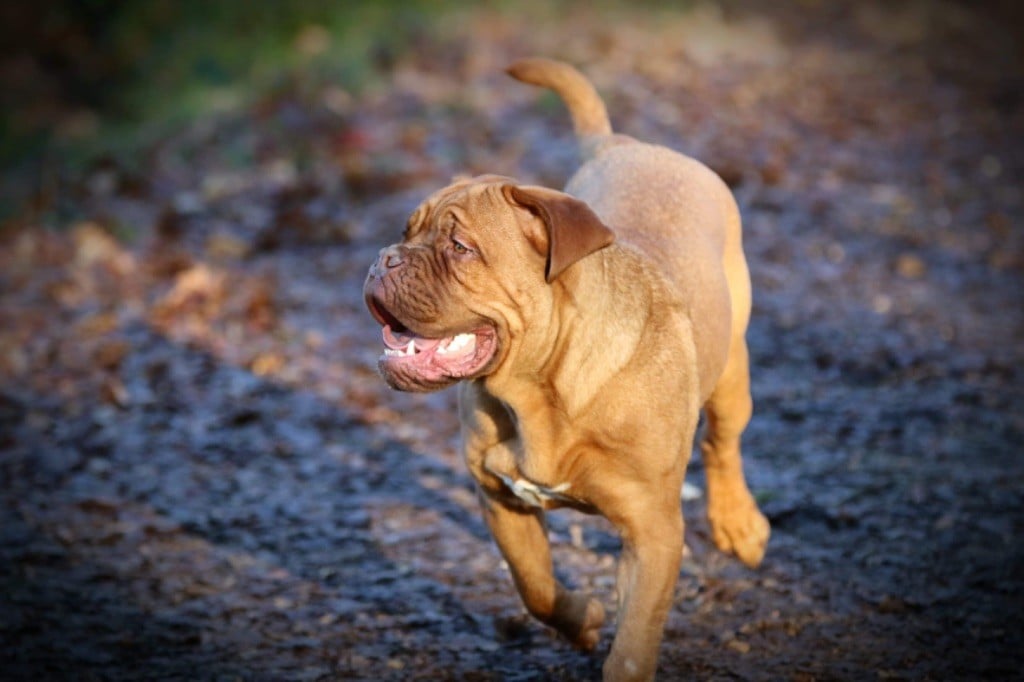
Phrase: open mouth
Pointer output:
(417, 363)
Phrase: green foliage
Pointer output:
(122, 68)
(193, 48)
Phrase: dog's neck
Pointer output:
(570, 359)
(600, 328)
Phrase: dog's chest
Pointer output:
(533, 494)
(536, 482)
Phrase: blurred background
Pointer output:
(203, 477)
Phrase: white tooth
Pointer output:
(456, 343)
(411, 348)
(461, 341)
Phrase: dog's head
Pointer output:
(470, 274)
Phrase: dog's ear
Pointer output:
(573, 229)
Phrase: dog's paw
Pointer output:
(581, 620)
(738, 527)
(590, 632)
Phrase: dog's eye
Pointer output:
(459, 247)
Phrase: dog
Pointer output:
(586, 328)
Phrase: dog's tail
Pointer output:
(589, 116)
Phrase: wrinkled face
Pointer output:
(445, 293)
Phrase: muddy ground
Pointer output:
(203, 478)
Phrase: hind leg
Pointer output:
(737, 525)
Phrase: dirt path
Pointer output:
(203, 477)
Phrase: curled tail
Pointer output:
(589, 116)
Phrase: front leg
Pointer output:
(648, 570)
(521, 536)
(489, 437)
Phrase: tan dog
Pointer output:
(588, 328)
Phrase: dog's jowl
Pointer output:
(586, 329)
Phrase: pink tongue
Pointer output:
(401, 341)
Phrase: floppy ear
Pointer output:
(573, 229)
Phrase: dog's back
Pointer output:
(673, 208)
